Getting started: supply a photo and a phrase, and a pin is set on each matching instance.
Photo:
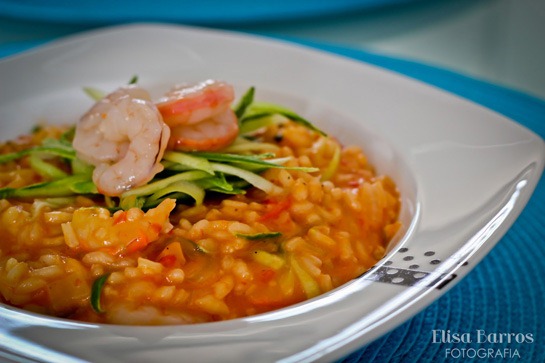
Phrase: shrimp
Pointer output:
(190, 104)
(200, 116)
(210, 134)
(123, 135)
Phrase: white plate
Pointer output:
(465, 174)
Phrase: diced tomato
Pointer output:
(168, 261)
(276, 209)
(156, 228)
(136, 244)
(354, 183)
(120, 217)
(267, 274)
(171, 255)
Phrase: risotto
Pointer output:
(194, 229)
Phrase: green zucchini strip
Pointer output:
(191, 161)
(254, 179)
(96, 293)
(259, 236)
(185, 187)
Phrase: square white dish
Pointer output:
(464, 172)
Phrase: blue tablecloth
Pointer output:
(504, 293)
(202, 12)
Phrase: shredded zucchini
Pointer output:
(242, 145)
(310, 286)
(155, 186)
(71, 185)
(53, 150)
(245, 101)
(258, 110)
(268, 259)
(190, 161)
(94, 93)
(252, 178)
(187, 176)
(333, 164)
(185, 187)
(46, 169)
(96, 293)
(259, 236)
